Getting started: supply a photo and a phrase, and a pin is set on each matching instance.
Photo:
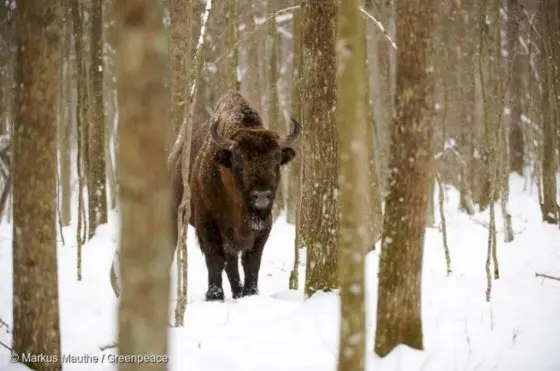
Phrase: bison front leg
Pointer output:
(215, 263)
(232, 270)
(211, 245)
(251, 261)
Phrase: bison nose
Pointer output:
(261, 199)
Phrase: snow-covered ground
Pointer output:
(279, 330)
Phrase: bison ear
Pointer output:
(288, 155)
(223, 157)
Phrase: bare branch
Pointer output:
(543, 275)
(380, 26)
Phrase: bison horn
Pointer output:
(293, 136)
(220, 140)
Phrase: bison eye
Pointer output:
(223, 157)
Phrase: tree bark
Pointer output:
(274, 115)
(549, 206)
(516, 142)
(354, 236)
(181, 18)
(65, 124)
(253, 78)
(399, 301)
(320, 149)
(296, 111)
(96, 173)
(145, 196)
(36, 327)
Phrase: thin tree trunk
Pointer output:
(97, 177)
(36, 326)
(516, 142)
(81, 112)
(65, 125)
(296, 104)
(181, 18)
(355, 236)
(274, 115)
(145, 196)
(549, 207)
(399, 300)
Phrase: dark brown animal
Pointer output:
(234, 173)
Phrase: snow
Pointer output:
(279, 331)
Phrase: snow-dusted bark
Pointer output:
(319, 203)
(36, 328)
(399, 299)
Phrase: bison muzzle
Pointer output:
(233, 176)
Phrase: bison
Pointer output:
(234, 173)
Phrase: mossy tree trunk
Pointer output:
(399, 318)
(319, 190)
(354, 182)
(147, 218)
(36, 324)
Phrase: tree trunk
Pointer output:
(253, 79)
(354, 236)
(549, 207)
(399, 302)
(145, 196)
(81, 118)
(320, 149)
(36, 328)
(375, 213)
(231, 46)
(96, 173)
(383, 90)
(516, 143)
(65, 125)
(296, 108)
(181, 18)
(275, 121)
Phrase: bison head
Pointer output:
(254, 157)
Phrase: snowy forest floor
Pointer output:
(279, 331)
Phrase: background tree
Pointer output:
(399, 297)
(96, 172)
(516, 142)
(145, 195)
(36, 328)
(319, 203)
(549, 206)
(354, 182)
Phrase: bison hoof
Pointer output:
(237, 293)
(215, 294)
(250, 291)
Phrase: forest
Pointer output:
(291, 185)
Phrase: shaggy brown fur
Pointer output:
(233, 179)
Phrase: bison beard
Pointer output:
(233, 176)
